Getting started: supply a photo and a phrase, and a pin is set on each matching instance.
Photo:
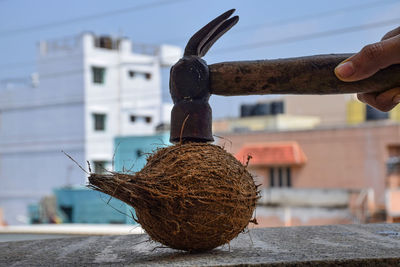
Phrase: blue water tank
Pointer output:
(131, 151)
(84, 205)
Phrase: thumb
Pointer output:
(369, 60)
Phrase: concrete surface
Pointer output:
(26, 237)
(336, 245)
(73, 229)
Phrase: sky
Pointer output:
(267, 29)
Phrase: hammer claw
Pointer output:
(200, 38)
(223, 28)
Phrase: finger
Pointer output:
(391, 34)
(384, 101)
(369, 60)
(368, 98)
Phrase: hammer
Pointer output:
(192, 81)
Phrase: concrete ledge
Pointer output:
(336, 245)
(73, 229)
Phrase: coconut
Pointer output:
(190, 196)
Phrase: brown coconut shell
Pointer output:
(190, 196)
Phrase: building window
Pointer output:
(99, 121)
(280, 177)
(393, 162)
(147, 119)
(98, 74)
(271, 177)
(145, 75)
(394, 150)
(262, 109)
(139, 153)
(67, 211)
(99, 166)
(288, 177)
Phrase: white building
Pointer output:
(87, 90)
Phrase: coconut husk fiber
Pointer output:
(190, 196)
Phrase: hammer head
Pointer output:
(191, 118)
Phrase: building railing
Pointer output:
(146, 49)
(107, 42)
(66, 43)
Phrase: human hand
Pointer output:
(367, 62)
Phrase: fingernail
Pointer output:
(396, 99)
(345, 70)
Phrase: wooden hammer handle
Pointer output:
(302, 75)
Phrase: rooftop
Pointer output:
(279, 153)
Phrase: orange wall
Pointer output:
(351, 157)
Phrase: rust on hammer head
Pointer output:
(191, 118)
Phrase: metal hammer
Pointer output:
(192, 81)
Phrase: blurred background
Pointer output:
(90, 78)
